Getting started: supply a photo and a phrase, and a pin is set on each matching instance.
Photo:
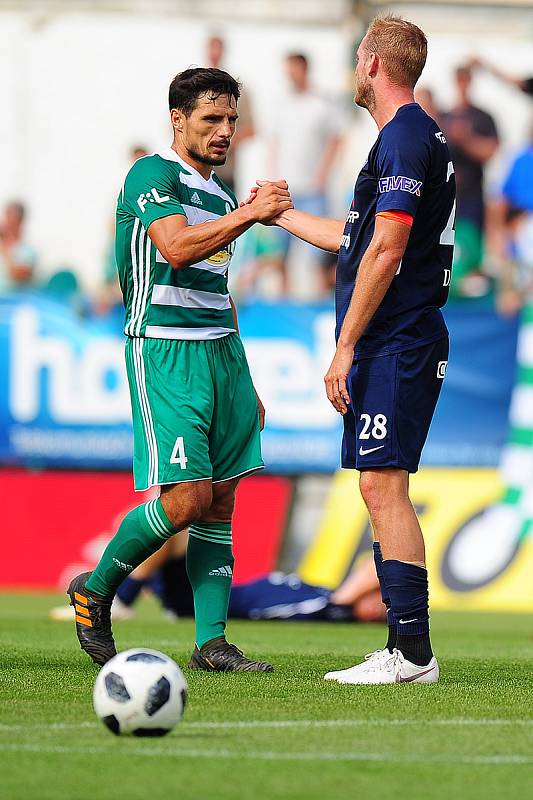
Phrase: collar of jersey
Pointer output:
(401, 108)
(170, 155)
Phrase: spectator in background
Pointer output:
(524, 84)
(110, 295)
(511, 232)
(256, 267)
(426, 99)
(305, 143)
(17, 258)
(245, 124)
(473, 140)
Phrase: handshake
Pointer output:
(268, 200)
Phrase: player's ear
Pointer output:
(176, 117)
(373, 64)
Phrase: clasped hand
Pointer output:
(269, 200)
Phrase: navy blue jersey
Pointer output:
(280, 596)
(408, 169)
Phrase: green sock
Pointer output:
(210, 570)
(140, 534)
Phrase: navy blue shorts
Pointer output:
(393, 399)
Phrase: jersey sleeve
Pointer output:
(401, 169)
(151, 191)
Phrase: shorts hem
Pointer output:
(170, 483)
(361, 467)
(240, 474)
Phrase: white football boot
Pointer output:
(390, 668)
(345, 675)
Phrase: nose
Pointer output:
(226, 129)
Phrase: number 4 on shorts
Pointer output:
(178, 453)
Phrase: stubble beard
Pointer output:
(364, 95)
(213, 161)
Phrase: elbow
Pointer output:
(176, 262)
(174, 256)
(387, 260)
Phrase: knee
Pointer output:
(183, 508)
(222, 505)
(383, 489)
(371, 488)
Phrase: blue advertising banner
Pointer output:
(64, 398)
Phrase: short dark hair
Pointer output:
(18, 207)
(192, 83)
(304, 61)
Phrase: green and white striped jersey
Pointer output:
(162, 302)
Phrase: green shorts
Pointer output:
(195, 414)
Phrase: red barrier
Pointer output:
(56, 524)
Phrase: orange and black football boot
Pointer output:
(93, 620)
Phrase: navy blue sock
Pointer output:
(129, 590)
(378, 561)
(407, 585)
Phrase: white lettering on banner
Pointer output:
(289, 376)
(76, 390)
(71, 382)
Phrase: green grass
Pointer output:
(470, 736)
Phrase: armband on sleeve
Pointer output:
(397, 216)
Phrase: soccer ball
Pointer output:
(140, 692)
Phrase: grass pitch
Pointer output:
(285, 735)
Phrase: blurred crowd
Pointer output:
(494, 227)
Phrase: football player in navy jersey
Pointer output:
(394, 268)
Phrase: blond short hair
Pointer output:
(401, 46)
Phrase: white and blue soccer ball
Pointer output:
(140, 692)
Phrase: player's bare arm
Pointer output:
(260, 406)
(182, 244)
(376, 273)
(319, 231)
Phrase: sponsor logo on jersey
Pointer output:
(220, 259)
(441, 369)
(352, 216)
(345, 240)
(196, 199)
(400, 183)
(441, 137)
(152, 196)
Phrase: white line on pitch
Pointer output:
(348, 723)
(266, 755)
(292, 723)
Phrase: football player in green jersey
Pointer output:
(196, 416)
